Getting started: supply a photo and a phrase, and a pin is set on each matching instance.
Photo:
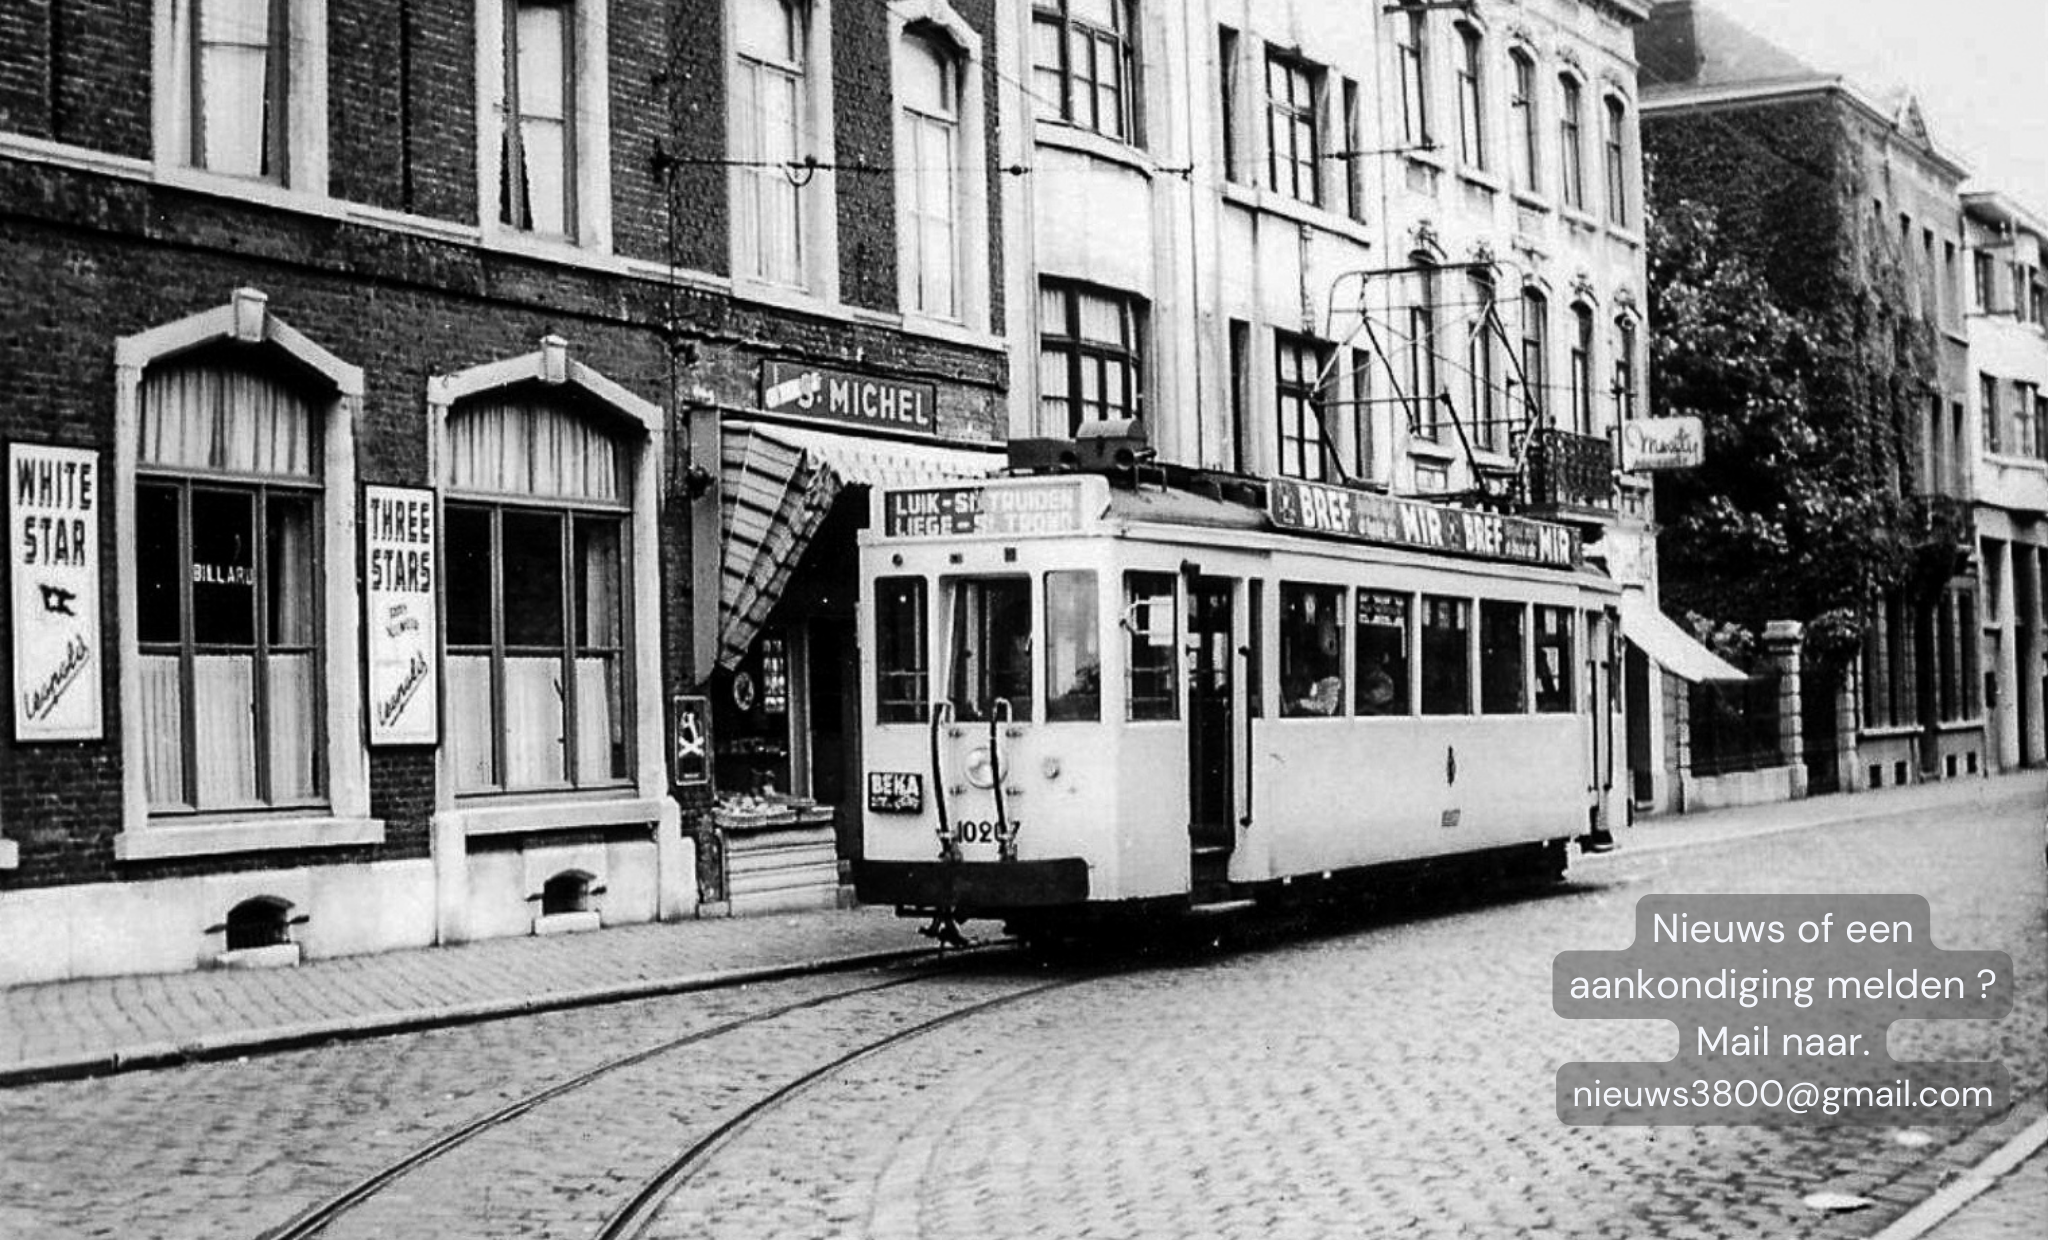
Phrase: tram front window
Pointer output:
(991, 647)
(1446, 656)
(1073, 649)
(1311, 650)
(901, 691)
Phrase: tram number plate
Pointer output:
(982, 831)
(895, 792)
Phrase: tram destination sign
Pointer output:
(1363, 516)
(841, 396)
(968, 511)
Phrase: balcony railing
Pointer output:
(1570, 472)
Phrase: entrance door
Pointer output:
(1212, 828)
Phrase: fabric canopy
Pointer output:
(779, 483)
(1674, 649)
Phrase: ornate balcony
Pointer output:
(1570, 474)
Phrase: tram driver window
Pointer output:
(1073, 649)
(1311, 650)
(1382, 641)
(1553, 661)
(1446, 656)
(902, 691)
(1150, 621)
(1502, 676)
(991, 648)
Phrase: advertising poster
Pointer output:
(54, 511)
(402, 625)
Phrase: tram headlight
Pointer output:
(981, 767)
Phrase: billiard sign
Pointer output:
(53, 509)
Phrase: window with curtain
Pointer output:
(1471, 99)
(536, 181)
(1084, 65)
(1481, 373)
(1412, 49)
(1088, 354)
(1571, 154)
(1299, 363)
(1293, 152)
(929, 75)
(240, 86)
(227, 514)
(534, 535)
(1535, 351)
(1522, 123)
(1582, 369)
(769, 98)
(1617, 163)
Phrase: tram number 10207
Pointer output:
(982, 831)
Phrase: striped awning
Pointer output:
(779, 483)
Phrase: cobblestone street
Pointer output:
(1390, 1076)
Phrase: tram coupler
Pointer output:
(945, 929)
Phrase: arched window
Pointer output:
(1479, 361)
(1424, 382)
(770, 100)
(1535, 351)
(930, 176)
(1582, 368)
(1624, 369)
(1471, 99)
(1522, 123)
(1616, 144)
(1571, 153)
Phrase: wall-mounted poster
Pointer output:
(53, 510)
(402, 625)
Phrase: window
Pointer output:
(1985, 271)
(1987, 393)
(1412, 47)
(1088, 355)
(535, 540)
(1523, 122)
(1073, 648)
(1381, 637)
(1361, 414)
(1227, 54)
(1083, 65)
(1582, 369)
(228, 595)
(902, 681)
(1951, 290)
(1446, 656)
(991, 648)
(929, 80)
(1353, 155)
(1617, 163)
(1293, 154)
(1570, 152)
(1424, 386)
(2024, 431)
(1624, 369)
(1535, 349)
(240, 97)
(1502, 678)
(1554, 661)
(1471, 100)
(769, 106)
(1479, 362)
(2040, 425)
(1299, 363)
(1151, 623)
(1241, 428)
(537, 156)
(1311, 650)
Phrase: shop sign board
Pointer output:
(692, 748)
(841, 396)
(403, 626)
(1366, 516)
(981, 511)
(53, 509)
(1662, 443)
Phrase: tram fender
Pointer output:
(973, 885)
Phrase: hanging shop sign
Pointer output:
(1365, 516)
(1662, 443)
(399, 568)
(841, 396)
(54, 510)
(692, 741)
(1000, 512)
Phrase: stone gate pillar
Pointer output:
(1784, 641)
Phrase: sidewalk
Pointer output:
(106, 1024)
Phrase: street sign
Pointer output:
(1662, 443)
(841, 396)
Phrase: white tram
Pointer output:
(1086, 697)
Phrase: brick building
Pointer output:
(375, 371)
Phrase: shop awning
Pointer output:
(778, 485)
(1673, 649)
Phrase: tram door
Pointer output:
(1211, 828)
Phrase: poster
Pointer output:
(54, 512)
(400, 563)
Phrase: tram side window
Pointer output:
(1502, 676)
(1446, 656)
(1073, 648)
(1382, 640)
(991, 647)
(1151, 621)
(1553, 661)
(902, 687)
(1311, 650)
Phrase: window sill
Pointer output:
(1428, 157)
(1062, 136)
(264, 193)
(536, 245)
(1480, 178)
(1891, 732)
(211, 837)
(1626, 235)
(1431, 450)
(2029, 463)
(563, 814)
(1584, 221)
(1254, 198)
(948, 330)
(1534, 202)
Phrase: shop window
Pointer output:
(1073, 648)
(1381, 637)
(902, 681)
(991, 652)
(538, 678)
(1151, 623)
(1554, 663)
(1311, 650)
(1446, 656)
(1502, 677)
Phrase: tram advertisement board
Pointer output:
(53, 508)
(1364, 516)
(403, 630)
(840, 396)
(1000, 512)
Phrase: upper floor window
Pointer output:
(1616, 143)
(1300, 363)
(1522, 123)
(537, 156)
(1984, 269)
(769, 107)
(1088, 355)
(930, 84)
(1083, 64)
(1571, 154)
(1471, 99)
(1479, 361)
(1987, 399)
(2024, 430)
(1624, 369)
(1582, 369)
(1293, 154)
(1412, 47)
(1535, 351)
(240, 89)
(1424, 382)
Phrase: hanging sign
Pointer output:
(1366, 516)
(841, 396)
(692, 741)
(1662, 443)
(399, 566)
(54, 511)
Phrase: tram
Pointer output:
(1092, 696)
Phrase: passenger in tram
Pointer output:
(1375, 688)
(1323, 697)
